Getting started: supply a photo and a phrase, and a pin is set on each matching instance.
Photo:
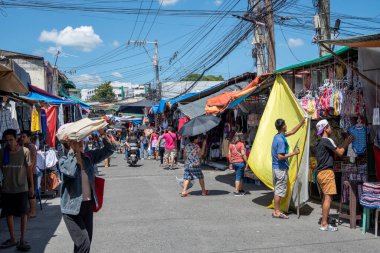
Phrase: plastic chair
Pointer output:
(367, 218)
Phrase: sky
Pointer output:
(94, 45)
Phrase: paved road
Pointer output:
(143, 212)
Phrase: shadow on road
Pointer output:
(39, 230)
(230, 180)
(264, 200)
(210, 193)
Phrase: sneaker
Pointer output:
(238, 194)
(242, 192)
(329, 228)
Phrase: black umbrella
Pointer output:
(199, 125)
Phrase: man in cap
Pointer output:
(325, 149)
(280, 164)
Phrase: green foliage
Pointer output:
(104, 93)
(194, 77)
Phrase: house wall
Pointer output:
(36, 70)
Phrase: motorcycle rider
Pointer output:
(132, 141)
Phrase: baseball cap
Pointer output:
(321, 125)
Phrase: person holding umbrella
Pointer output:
(192, 154)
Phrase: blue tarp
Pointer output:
(135, 121)
(40, 97)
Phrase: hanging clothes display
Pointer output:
(51, 114)
(61, 118)
(36, 123)
(43, 122)
(6, 120)
(14, 115)
(359, 144)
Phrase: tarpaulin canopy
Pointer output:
(9, 81)
(217, 104)
(81, 103)
(372, 40)
(282, 104)
(51, 100)
(197, 108)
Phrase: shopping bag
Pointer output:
(99, 191)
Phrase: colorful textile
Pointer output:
(191, 173)
(359, 144)
(51, 114)
(36, 123)
(192, 155)
(43, 122)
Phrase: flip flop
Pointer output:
(8, 243)
(184, 195)
(206, 193)
(281, 216)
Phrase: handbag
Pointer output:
(99, 191)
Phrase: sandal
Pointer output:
(329, 228)
(8, 243)
(281, 216)
(206, 193)
(23, 246)
(183, 195)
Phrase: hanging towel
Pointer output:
(51, 114)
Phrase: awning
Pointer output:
(372, 40)
(197, 108)
(80, 102)
(51, 100)
(314, 61)
(218, 104)
(9, 81)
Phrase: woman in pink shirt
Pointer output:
(238, 160)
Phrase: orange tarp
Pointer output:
(219, 103)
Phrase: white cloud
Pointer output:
(117, 74)
(218, 2)
(86, 80)
(168, 2)
(116, 43)
(54, 50)
(83, 37)
(295, 42)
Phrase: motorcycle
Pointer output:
(133, 155)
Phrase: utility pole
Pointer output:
(155, 61)
(270, 38)
(323, 7)
(258, 38)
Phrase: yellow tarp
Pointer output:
(281, 104)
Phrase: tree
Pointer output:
(104, 93)
(194, 77)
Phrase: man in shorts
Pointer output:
(170, 148)
(325, 149)
(280, 164)
(16, 165)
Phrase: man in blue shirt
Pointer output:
(280, 164)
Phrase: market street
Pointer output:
(143, 212)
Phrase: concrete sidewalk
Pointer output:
(143, 212)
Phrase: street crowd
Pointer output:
(78, 167)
